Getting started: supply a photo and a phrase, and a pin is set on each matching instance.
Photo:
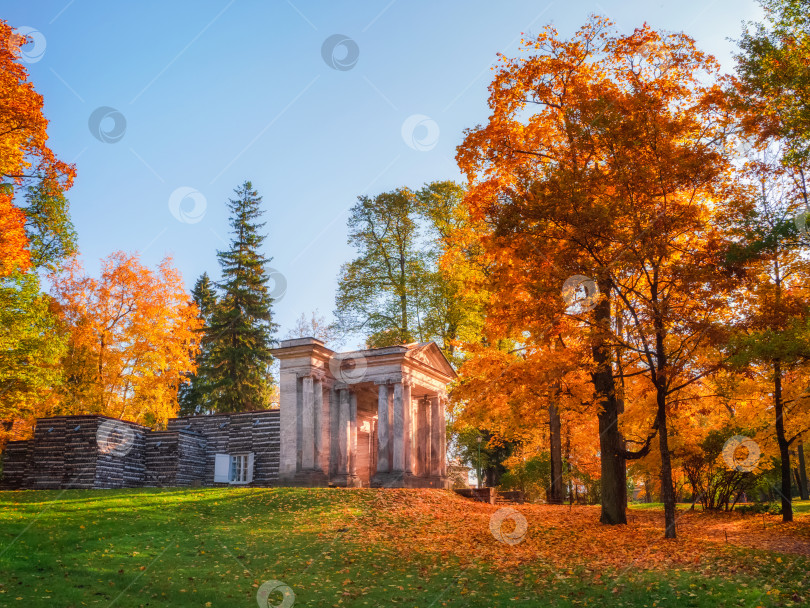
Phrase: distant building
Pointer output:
(365, 418)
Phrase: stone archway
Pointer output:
(371, 417)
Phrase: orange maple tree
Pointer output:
(132, 339)
(24, 153)
(605, 158)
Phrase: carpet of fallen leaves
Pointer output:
(444, 525)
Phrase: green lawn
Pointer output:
(216, 547)
(799, 506)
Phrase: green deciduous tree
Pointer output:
(51, 236)
(31, 341)
(772, 343)
(31, 347)
(775, 74)
(379, 291)
(453, 311)
(397, 290)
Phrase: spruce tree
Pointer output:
(239, 335)
(195, 394)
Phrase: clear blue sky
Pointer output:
(214, 92)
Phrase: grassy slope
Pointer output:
(215, 547)
(799, 506)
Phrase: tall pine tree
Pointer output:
(195, 395)
(239, 335)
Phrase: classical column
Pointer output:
(334, 432)
(343, 432)
(407, 428)
(353, 434)
(307, 423)
(398, 427)
(299, 408)
(288, 419)
(443, 435)
(322, 425)
(422, 437)
(382, 428)
(435, 438)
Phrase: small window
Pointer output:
(234, 468)
(241, 468)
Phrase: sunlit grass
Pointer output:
(799, 506)
(215, 547)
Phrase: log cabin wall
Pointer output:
(174, 458)
(96, 452)
(256, 432)
(160, 459)
(120, 466)
(191, 449)
(46, 464)
(15, 463)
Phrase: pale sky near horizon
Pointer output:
(165, 107)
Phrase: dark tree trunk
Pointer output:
(803, 490)
(784, 444)
(568, 465)
(611, 443)
(403, 300)
(667, 493)
(660, 380)
(555, 494)
(623, 472)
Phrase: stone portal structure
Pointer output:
(365, 418)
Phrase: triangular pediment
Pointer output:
(429, 354)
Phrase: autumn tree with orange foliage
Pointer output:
(532, 395)
(772, 344)
(604, 158)
(24, 153)
(131, 339)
